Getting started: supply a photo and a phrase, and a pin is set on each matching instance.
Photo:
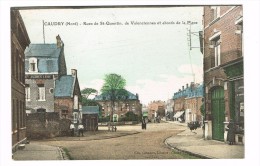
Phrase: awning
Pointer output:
(178, 114)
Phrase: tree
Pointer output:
(88, 91)
(85, 94)
(113, 88)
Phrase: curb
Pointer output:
(185, 151)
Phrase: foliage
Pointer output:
(113, 88)
(202, 109)
(88, 91)
(130, 116)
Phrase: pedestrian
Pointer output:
(81, 128)
(72, 129)
(231, 132)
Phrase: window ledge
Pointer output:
(215, 20)
(41, 100)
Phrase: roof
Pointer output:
(47, 57)
(196, 91)
(64, 86)
(42, 50)
(90, 109)
(130, 96)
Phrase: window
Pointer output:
(41, 92)
(215, 12)
(64, 114)
(51, 90)
(33, 65)
(217, 51)
(27, 92)
(76, 102)
(215, 45)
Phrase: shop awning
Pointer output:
(178, 114)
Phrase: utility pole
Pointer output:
(43, 31)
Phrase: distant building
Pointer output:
(169, 109)
(223, 70)
(123, 105)
(155, 109)
(187, 103)
(48, 87)
(19, 41)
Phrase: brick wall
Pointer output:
(64, 104)
(42, 125)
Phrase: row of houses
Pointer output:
(187, 103)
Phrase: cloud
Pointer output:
(164, 88)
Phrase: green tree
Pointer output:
(85, 94)
(114, 88)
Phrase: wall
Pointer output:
(64, 104)
(42, 125)
(48, 104)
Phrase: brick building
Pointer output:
(223, 69)
(187, 103)
(123, 105)
(48, 87)
(19, 41)
(155, 109)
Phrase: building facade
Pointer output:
(48, 87)
(223, 69)
(19, 41)
(130, 103)
(155, 109)
(188, 102)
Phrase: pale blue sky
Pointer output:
(154, 59)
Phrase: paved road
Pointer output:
(148, 144)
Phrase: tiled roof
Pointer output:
(64, 86)
(196, 91)
(130, 96)
(47, 57)
(42, 50)
(90, 109)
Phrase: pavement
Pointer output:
(194, 144)
(186, 141)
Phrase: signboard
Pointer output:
(38, 76)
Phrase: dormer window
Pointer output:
(33, 65)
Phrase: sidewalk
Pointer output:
(193, 143)
(36, 151)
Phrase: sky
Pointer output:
(155, 59)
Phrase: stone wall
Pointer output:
(43, 125)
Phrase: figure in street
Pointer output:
(231, 132)
(72, 129)
(81, 128)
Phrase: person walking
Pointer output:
(72, 127)
(81, 128)
(231, 132)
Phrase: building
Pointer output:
(67, 97)
(155, 109)
(124, 104)
(223, 70)
(193, 103)
(169, 109)
(48, 87)
(90, 117)
(188, 102)
(19, 41)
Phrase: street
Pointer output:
(144, 144)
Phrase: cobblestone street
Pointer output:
(142, 144)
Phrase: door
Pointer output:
(218, 113)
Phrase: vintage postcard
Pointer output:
(127, 82)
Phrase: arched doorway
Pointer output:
(218, 113)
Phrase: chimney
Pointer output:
(182, 87)
(59, 41)
(74, 72)
(187, 85)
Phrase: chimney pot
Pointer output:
(74, 72)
